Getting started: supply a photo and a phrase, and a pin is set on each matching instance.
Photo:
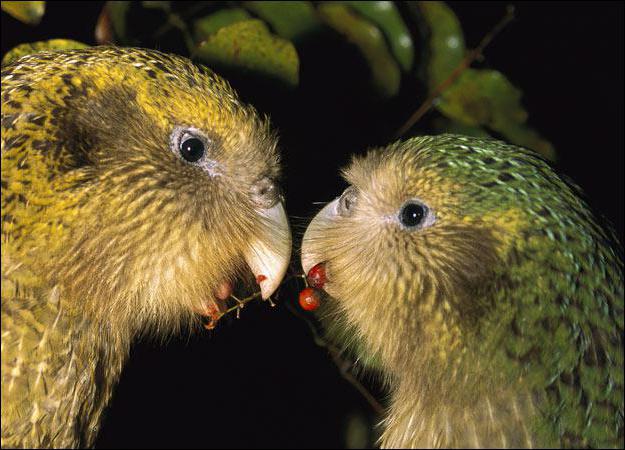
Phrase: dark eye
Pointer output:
(191, 149)
(414, 214)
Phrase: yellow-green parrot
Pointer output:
(136, 189)
(480, 283)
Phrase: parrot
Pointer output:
(137, 189)
(481, 286)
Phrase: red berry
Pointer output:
(317, 276)
(260, 279)
(309, 299)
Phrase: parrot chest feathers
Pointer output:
(497, 419)
(55, 372)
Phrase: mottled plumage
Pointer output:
(108, 231)
(498, 320)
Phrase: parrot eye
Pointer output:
(347, 201)
(190, 144)
(415, 214)
(192, 149)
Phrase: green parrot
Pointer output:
(136, 189)
(481, 285)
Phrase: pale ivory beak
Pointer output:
(269, 255)
(313, 233)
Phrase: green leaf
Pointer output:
(117, 12)
(487, 98)
(442, 124)
(292, 20)
(385, 15)
(162, 5)
(208, 25)
(446, 42)
(385, 73)
(27, 12)
(478, 98)
(357, 431)
(249, 46)
(521, 134)
(40, 46)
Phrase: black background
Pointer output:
(261, 381)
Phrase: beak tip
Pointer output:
(306, 265)
(268, 257)
(269, 285)
(310, 257)
(266, 290)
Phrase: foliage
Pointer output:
(248, 45)
(34, 47)
(27, 12)
(419, 45)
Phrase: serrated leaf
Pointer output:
(40, 46)
(385, 15)
(249, 46)
(487, 98)
(208, 25)
(368, 38)
(446, 41)
(27, 12)
(292, 20)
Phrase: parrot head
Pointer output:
(422, 228)
(474, 278)
(160, 186)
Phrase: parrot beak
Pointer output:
(269, 255)
(309, 259)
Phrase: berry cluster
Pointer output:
(310, 297)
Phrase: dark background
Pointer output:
(261, 381)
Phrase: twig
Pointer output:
(344, 369)
(241, 302)
(464, 64)
(342, 365)
(214, 318)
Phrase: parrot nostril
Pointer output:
(265, 193)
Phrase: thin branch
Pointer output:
(344, 369)
(241, 302)
(464, 64)
(341, 364)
